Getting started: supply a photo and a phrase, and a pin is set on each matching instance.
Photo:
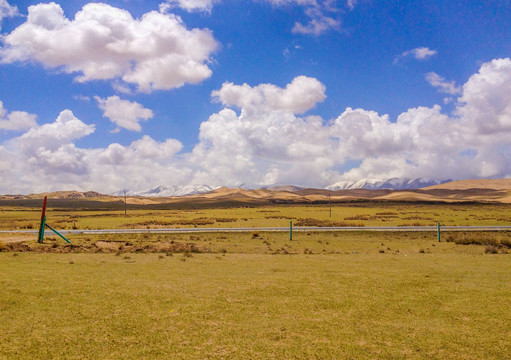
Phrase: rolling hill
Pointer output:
(498, 191)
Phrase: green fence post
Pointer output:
(438, 230)
(56, 232)
(291, 230)
(41, 230)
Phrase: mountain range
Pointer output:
(171, 190)
(392, 184)
(479, 190)
(370, 184)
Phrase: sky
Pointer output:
(132, 94)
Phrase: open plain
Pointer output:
(257, 294)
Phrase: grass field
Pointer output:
(362, 214)
(258, 295)
(371, 305)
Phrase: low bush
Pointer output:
(491, 249)
(325, 223)
(490, 240)
(359, 217)
(225, 220)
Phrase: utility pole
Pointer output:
(125, 215)
(330, 205)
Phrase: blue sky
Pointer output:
(135, 94)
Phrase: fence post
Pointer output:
(438, 230)
(291, 230)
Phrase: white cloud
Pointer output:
(486, 101)
(81, 98)
(7, 10)
(420, 53)
(268, 142)
(352, 3)
(298, 96)
(323, 15)
(66, 128)
(46, 159)
(444, 86)
(16, 120)
(317, 25)
(102, 42)
(245, 149)
(189, 5)
(125, 114)
(433, 144)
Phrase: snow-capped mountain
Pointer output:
(394, 184)
(172, 190)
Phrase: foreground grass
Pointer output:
(452, 304)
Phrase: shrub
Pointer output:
(324, 223)
(358, 217)
(225, 220)
(490, 240)
(491, 249)
(506, 243)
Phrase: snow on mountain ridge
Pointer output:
(371, 184)
(170, 190)
(393, 184)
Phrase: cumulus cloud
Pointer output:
(46, 158)
(125, 114)
(267, 143)
(420, 53)
(473, 142)
(485, 103)
(298, 96)
(264, 140)
(65, 129)
(444, 86)
(16, 120)
(102, 42)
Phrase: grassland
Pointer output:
(361, 214)
(366, 305)
(257, 295)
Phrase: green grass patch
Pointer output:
(357, 214)
(238, 306)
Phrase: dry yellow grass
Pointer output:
(495, 184)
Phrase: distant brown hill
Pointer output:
(456, 191)
(495, 184)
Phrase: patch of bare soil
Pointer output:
(16, 238)
(103, 247)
